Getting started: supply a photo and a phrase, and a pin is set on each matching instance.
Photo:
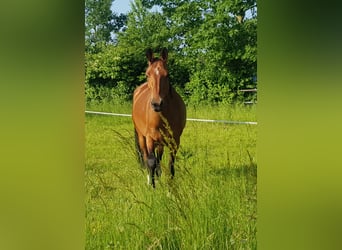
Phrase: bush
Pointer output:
(104, 94)
(113, 73)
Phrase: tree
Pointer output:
(215, 43)
(145, 29)
(101, 24)
(212, 47)
(222, 52)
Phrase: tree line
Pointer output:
(212, 47)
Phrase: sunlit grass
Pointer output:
(210, 204)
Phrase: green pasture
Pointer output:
(210, 204)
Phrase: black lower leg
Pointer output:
(151, 162)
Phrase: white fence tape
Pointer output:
(188, 119)
(105, 113)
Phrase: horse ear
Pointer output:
(149, 55)
(163, 54)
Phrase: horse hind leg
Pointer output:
(173, 149)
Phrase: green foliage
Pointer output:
(225, 55)
(212, 49)
(97, 22)
(115, 69)
(100, 24)
(144, 29)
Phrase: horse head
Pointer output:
(158, 78)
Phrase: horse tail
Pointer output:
(138, 149)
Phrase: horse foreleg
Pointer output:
(151, 161)
(142, 149)
(148, 159)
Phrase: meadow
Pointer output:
(210, 204)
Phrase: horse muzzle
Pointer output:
(157, 107)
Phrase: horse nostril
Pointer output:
(156, 106)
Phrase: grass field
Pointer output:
(210, 204)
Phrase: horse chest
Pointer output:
(158, 129)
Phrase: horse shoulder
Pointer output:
(139, 109)
(139, 90)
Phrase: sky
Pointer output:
(121, 6)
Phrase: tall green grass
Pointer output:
(210, 204)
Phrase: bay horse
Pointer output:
(159, 116)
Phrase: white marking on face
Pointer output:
(156, 71)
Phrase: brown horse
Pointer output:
(159, 116)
